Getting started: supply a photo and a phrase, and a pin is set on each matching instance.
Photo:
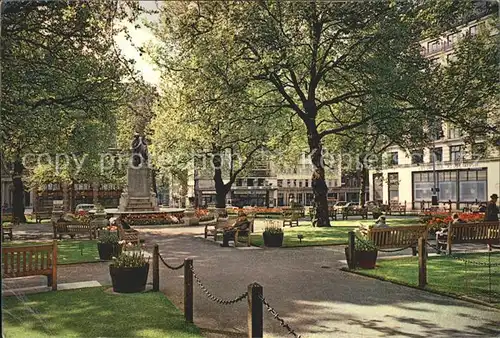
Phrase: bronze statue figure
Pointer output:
(139, 150)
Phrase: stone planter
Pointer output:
(366, 259)
(273, 240)
(129, 280)
(108, 250)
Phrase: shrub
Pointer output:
(364, 245)
(130, 260)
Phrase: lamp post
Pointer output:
(268, 188)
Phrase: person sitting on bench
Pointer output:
(241, 224)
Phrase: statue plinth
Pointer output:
(138, 195)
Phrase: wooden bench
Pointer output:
(480, 232)
(129, 235)
(363, 212)
(42, 214)
(397, 207)
(290, 217)
(396, 237)
(218, 228)
(72, 228)
(33, 260)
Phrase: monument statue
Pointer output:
(139, 150)
(138, 194)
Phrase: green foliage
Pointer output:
(108, 237)
(133, 259)
(364, 245)
(272, 230)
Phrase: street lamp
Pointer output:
(268, 188)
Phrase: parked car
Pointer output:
(351, 205)
(83, 209)
(339, 205)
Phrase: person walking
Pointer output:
(492, 211)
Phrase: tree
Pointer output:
(315, 60)
(62, 79)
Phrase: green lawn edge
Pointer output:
(426, 289)
(68, 313)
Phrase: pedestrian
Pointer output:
(492, 211)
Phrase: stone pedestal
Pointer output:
(190, 217)
(138, 195)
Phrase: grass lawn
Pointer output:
(337, 234)
(92, 312)
(446, 274)
(355, 222)
(69, 251)
(312, 236)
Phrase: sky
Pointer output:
(139, 37)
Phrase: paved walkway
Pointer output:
(305, 286)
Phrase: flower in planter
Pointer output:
(108, 237)
(130, 260)
(364, 245)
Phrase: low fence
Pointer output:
(480, 270)
(254, 295)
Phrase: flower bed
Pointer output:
(153, 219)
(436, 221)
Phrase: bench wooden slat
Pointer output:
(13, 267)
(396, 237)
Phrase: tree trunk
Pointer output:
(220, 187)
(320, 189)
(153, 182)
(362, 186)
(18, 193)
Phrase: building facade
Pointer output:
(462, 173)
(268, 185)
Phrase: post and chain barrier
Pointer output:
(254, 296)
(169, 266)
(439, 251)
(215, 298)
(276, 316)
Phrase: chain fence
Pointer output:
(471, 273)
(215, 298)
(169, 266)
(276, 316)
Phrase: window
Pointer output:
(437, 155)
(281, 199)
(239, 182)
(452, 39)
(378, 184)
(307, 184)
(433, 46)
(250, 182)
(335, 183)
(422, 186)
(294, 183)
(300, 184)
(454, 132)
(260, 182)
(456, 153)
(288, 183)
(417, 157)
(394, 187)
(280, 183)
(473, 185)
(393, 158)
(473, 30)
(309, 198)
